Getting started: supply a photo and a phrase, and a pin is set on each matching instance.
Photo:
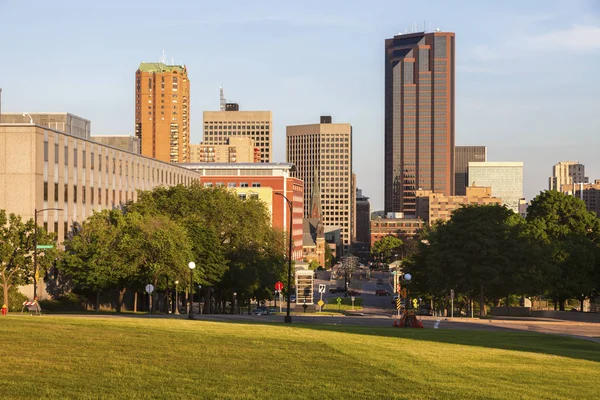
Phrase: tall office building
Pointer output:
(363, 218)
(257, 125)
(505, 179)
(419, 117)
(567, 173)
(462, 156)
(162, 98)
(322, 153)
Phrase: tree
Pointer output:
(571, 235)
(16, 252)
(388, 246)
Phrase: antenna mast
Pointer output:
(222, 97)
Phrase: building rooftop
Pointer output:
(160, 67)
(246, 165)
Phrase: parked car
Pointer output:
(337, 290)
(382, 292)
(380, 281)
(261, 311)
(352, 292)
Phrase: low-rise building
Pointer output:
(58, 121)
(395, 224)
(432, 207)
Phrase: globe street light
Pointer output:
(191, 266)
(288, 317)
(176, 299)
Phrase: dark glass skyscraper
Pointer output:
(419, 117)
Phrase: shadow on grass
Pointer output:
(541, 343)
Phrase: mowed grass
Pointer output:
(132, 357)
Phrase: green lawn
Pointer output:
(136, 357)
(345, 306)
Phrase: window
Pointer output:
(83, 194)
(207, 184)
(74, 157)
(74, 193)
(92, 161)
(55, 153)
(66, 230)
(45, 151)
(244, 184)
(99, 196)
(66, 155)
(92, 196)
(56, 192)
(83, 154)
(242, 196)
(256, 184)
(231, 184)
(66, 193)
(45, 191)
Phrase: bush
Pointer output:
(70, 302)
(15, 300)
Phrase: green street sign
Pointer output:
(44, 246)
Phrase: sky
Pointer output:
(527, 76)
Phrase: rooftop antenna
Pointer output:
(163, 59)
(172, 60)
(222, 97)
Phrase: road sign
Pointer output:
(399, 288)
(398, 304)
(279, 286)
(149, 288)
(415, 302)
(44, 246)
(339, 301)
(452, 294)
(321, 303)
(322, 288)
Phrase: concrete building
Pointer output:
(433, 207)
(505, 179)
(462, 156)
(162, 98)
(322, 154)
(44, 168)
(363, 218)
(235, 149)
(261, 181)
(397, 225)
(566, 173)
(419, 117)
(588, 192)
(59, 121)
(256, 125)
(123, 142)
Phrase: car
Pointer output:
(337, 290)
(382, 292)
(352, 292)
(261, 311)
(293, 298)
(380, 281)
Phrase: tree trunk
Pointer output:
(561, 304)
(581, 302)
(120, 296)
(6, 287)
(481, 303)
(98, 301)
(155, 283)
(135, 295)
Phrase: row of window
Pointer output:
(84, 194)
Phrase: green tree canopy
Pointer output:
(388, 246)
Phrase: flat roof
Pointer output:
(495, 163)
(46, 113)
(244, 165)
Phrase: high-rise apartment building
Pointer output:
(235, 149)
(162, 99)
(322, 153)
(462, 156)
(566, 173)
(505, 179)
(257, 125)
(419, 117)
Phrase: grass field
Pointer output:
(117, 358)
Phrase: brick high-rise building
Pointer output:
(419, 117)
(322, 153)
(257, 125)
(162, 99)
(462, 156)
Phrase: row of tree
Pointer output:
(152, 241)
(489, 252)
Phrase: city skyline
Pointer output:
(515, 93)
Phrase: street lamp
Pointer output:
(191, 266)
(234, 303)
(176, 299)
(288, 317)
(30, 119)
(35, 213)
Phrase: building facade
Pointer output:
(44, 168)
(123, 142)
(566, 173)
(403, 228)
(322, 154)
(505, 179)
(588, 192)
(462, 156)
(432, 207)
(363, 218)
(262, 181)
(58, 121)
(235, 149)
(419, 118)
(256, 125)
(162, 99)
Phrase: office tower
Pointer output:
(162, 98)
(235, 149)
(323, 152)
(257, 125)
(363, 218)
(419, 117)
(566, 173)
(505, 179)
(462, 156)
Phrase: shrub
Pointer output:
(15, 300)
(69, 302)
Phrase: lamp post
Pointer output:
(288, 317)
(176, 299)
(35, 213)
(234, 302)
(191, 266)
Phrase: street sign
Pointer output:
(322, 288)
(321, 303)
(279, 286)
(399, 288)
(452, 294)
(44, 246)
(394, 272)
(149, 288)
(398, 304)
(339, 301)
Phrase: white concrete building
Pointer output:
(505, 179)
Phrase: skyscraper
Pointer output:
(162, 98)
(322, 154)
(462, 156)
(419, 117)
(257, 125)
(567, 173)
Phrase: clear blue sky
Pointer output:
(527, 76)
